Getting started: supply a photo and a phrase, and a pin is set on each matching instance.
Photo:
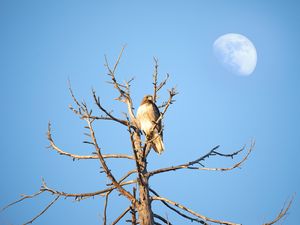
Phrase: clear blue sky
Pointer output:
(43, 43)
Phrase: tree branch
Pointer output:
(192, 212)
(42, 212)
(21, 199)
(282, 213)
(179, 212)
(74, 156)
(109, 115)
(79, 196)
(212, 152)
(105, 207)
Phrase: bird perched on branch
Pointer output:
(147, 117)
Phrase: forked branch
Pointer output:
(123, 89)
(213, 152)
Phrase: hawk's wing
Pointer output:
(153, 115)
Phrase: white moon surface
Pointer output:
(236, 53)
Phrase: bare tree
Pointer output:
(136, 190)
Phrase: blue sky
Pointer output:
(43, 43)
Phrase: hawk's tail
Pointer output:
(157, 144)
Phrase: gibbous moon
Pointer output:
(236, 53)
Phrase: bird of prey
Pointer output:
(147, 116)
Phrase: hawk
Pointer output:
(147, 115)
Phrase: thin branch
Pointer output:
(74, 156)
(179, 212)
(105, 207)
(192, 212)
(132, 208)
(155, 74)
(21, 199)
(282, 213)
(73, 96)
(125, 176)
(42, 212)
(163, 83)
(212, 152)
(121, 216)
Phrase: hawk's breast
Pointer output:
(143, 116)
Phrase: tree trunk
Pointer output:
(144, 208)
(145, 215)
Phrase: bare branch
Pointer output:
(212, 152)
(192, 212)
(105, 207)
(73, 96)
(121, 216)
(74, 156)
(282, 213)
(163, 83)
(155, 74)
(162, 219)
(179, 212)
(109, 115)
(21, 199)
(79, 196)
(125, 176)
(42, 212)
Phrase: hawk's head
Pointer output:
(147, 99)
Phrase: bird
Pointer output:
(147, 116)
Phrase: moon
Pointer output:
(236, 53)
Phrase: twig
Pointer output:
(42, 212)
(155, 73)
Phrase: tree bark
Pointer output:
(144, 208)
(145, 215)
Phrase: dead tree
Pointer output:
(141, 198)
